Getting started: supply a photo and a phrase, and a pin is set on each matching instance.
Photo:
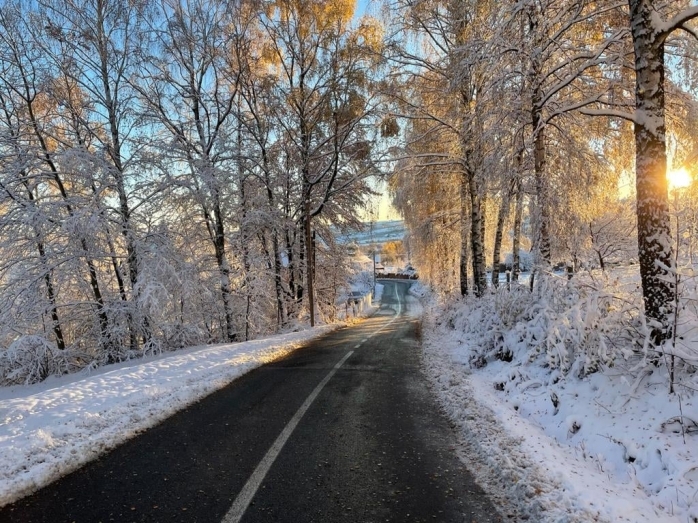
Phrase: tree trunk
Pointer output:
(594, 242)
(245, 237)
(110, 95)
(275, 265)
(295, 264)
(310, 276)
(51, 294)
(48, 280)
(465, 235)
(244, 247)
(477, 237)
(503, 212)
(281, 314)
(278, 285)
(542, 238)
(653, 224)
(516, 240)
(224, 270)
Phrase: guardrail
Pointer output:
(395, 276)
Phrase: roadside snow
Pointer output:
(603, 454)
(52, 428)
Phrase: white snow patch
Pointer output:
(554, 447)
(52, 428)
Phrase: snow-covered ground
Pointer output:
(559, 448)
(54, 427)
(605, 453)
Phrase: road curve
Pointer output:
(343, 430)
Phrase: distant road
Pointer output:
(381, 232)
(343, 430)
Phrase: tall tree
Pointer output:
(651, 24)
(95, 44)
(650, 33)
(323, 77)
(192, 94)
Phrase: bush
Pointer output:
(32, 359)
(525, 261)
(179, 336)
(572, 325)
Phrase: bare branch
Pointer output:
(610, 113)
(678, 22)
(689, 30)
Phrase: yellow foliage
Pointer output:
(313, 15)
(370, 33)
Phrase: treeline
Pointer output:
(522, 119)
(171, 172)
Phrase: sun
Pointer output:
(678, 178)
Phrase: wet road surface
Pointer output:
(343, 430)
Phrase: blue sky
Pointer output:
(360, 8)
(379, 208)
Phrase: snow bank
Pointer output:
(52, 428)
(564, 445)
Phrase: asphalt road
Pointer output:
(344, 430)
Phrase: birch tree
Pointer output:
(565, 51)
(651, 24)
(95, 45)
(323, 71)
(649, 33)
(451, 62)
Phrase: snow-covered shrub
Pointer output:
(525, 260)
(473, 322)
(32, 359)
(512, 303)
(684, 345)
(179, 336)
(571, 320)
(576, 326)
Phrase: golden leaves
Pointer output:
(369, 34)
(313, 15)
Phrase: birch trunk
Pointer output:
(497, 248)
(653, 224)
(516, 240)
(477, 237)
(465, 234)
(542, 238)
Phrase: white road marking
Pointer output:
(243, 500)
(237, 510)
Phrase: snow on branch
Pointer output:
(610, 113)
(689, 30)
(678, 22)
